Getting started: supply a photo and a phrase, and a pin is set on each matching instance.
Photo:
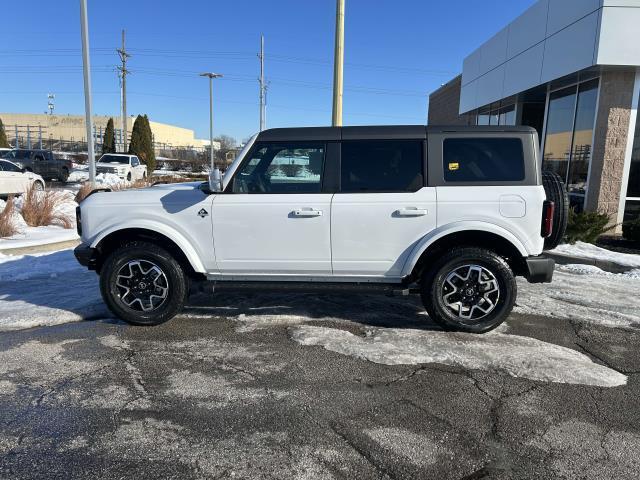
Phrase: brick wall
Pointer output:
(444, 105)
(610, 142)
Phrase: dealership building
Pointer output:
(571, 70)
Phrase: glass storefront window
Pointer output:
(567, 149)
(497, 116)
(632, 209)
(557, 145)
(582, 141)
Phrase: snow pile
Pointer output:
(512, 354)
(78, 175)
(584, 293)
(109, 179)
(47, 289)
(32, 236)
(592, 252)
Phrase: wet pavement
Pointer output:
(223, 391)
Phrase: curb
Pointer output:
(48, 247)
(605, 265)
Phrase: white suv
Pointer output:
(127, 167)
(450, 213)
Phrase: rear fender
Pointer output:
(456, 227)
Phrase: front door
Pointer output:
(383, 207)
(274, 218)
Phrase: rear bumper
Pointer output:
(86, 256)
(539, 269)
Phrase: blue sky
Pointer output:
(396, 52)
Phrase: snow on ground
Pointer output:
(516, 355)
(593, 252)
(109, 179)
(584, 293)
(79, 173)
(52, 288)
(31, 236)
(47, 289)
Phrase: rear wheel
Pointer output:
(64, 175)
(469, 290)
(556, 192)
(143, 284)
(38, 186)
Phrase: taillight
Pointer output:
(547, 218)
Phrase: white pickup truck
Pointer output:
(453, 214)
(125, 166)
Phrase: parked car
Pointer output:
(454, 214)
(42, 162)
(127, 167)
(4, 151)
(15, 180)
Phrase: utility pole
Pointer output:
(211, 76)
(123, 87)
(263, 87)
(338, 62)
(86, 69)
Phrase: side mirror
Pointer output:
(215, 180)
(23, 170)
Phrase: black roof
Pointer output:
(387, 132)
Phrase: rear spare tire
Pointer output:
(556, 192)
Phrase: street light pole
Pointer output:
(86, 68)
(211, 76)
(338, 62)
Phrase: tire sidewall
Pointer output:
(506, 282)
(175, 279)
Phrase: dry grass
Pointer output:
(40, 209)
(7, 225)
(85, 190)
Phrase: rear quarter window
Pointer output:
(483, 160)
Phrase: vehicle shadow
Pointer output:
(55, 288)
(374, 310)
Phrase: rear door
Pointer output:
(274, 218)
(383, 207)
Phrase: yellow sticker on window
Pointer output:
(454, 166)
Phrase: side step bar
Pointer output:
(304, 287)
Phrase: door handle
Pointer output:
(306, 212)
(411, 212)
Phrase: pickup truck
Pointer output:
(42, 162)
(451, 213)
(125, 166)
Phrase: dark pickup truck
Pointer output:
(42, 162)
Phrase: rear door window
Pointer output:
(483, 160)
(381, 166)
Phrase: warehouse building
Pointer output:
(30, 129)
(571, 70)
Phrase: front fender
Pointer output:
(170, 233)
(456, 227)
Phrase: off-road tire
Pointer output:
(556, 192)
(129, 177)
(433, 284)
(178, 283)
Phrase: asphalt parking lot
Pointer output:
(229, 390)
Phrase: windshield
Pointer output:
(114, 159)
(232, 168)
(16, 154)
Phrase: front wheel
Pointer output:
(470, 290)
(143, 284)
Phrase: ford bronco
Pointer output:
(451, 213)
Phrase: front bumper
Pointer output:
(86, 256)
(539, 269)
